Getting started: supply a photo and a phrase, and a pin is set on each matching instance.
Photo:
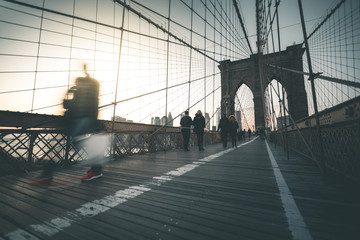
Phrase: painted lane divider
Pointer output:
(297, 225)
(91, 209)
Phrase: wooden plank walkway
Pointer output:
(215, 194)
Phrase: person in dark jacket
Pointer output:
(185, 124)
(81, 106)
(233, 127)
(199, 125)
(224, 128)
(249, 133)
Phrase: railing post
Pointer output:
(113, 146)
(311, 78)
(67, 149)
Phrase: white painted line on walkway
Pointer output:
(297, 225)
(91, 209)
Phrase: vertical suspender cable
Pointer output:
(227, 54)
(167, 71)
(37, 57)
(96, 17)
(149, 58)
(205, 63)
(282, 87)
(191, 35)
(139, 109)
(113, 47)
(353, 42)
(312, 78)
(346, 50)
(221, 40)
(118, 69)
(71, 44)
(118, 76)
(273, 115)
(213, 103)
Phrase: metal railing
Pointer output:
(340, 131)
(26, 149)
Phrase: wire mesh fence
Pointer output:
(26, 150)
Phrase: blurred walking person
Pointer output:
(83, 118)
(185, 124)
(199, 125)
(81, 114)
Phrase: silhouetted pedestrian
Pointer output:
(233, 127)
(199, 125)
(185, 124)
(249, 133)
(224, 129)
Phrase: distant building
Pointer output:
(118, 119)
(163, 121)
(170, 120)
(155, 121)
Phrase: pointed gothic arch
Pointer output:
(234, 74)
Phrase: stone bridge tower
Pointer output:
(246, 71)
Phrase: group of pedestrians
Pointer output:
(242, 134)
(199, 126)
(228, 126)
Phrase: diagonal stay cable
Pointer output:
(156, 91)
(326, 18)
(162, 29)
(242, 24)
(242, 110)
(331, 79)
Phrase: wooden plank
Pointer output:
(232, 197)
(331, 211)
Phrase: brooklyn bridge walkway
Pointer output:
(242, 193)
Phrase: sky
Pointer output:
(38, 84)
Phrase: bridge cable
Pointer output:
(326, 18)
(242, 24)
(322, 159)
(161, 28)
(118, 68)
(242, 111)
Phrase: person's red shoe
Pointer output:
(91, 175)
